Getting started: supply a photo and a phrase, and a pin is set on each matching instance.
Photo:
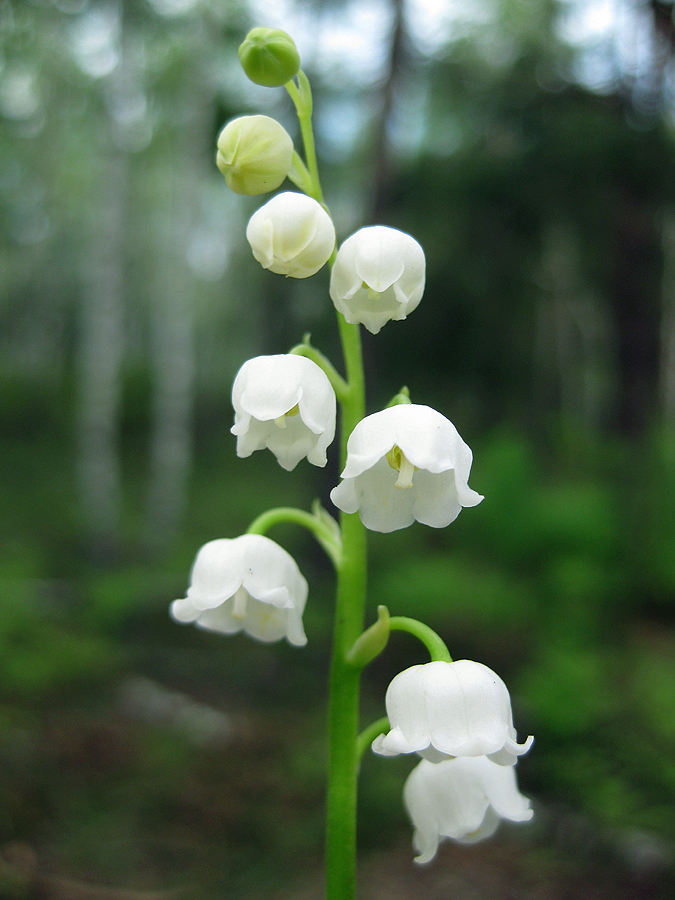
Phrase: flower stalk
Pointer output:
(344, 690)
(339, 384)
(350, 601)
(402, 464)
(317, 524)
(301, 95)
(434, 644)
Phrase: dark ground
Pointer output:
(111, 806)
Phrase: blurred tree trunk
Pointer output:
(574, 338)
(101, 349)
(667, 393)
(173, 364)
(383, 174)
(172, 346)
(171, 451)
(635, 285)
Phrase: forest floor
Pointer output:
(509, 868)
(121, 811)
(504, 870)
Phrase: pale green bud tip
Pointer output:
(254, 154)
(372, 642)
(403, 396)
(269, 57)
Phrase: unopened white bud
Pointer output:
(292, 235)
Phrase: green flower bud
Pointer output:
(254, 154)
(372, 642)
(269, 57)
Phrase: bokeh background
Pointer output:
(529, 145)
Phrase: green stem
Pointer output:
(434, 644)
(338, 383)
(368, 735)
(345, 679)
(328, 537)
(350, 601)
(354, 403)
(299, 175)
(301, 95)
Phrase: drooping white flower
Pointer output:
(378, 275)
(405, 463)
(248, 583)
(292, 235)
(286, 403)
(463, 799)
(443, 709)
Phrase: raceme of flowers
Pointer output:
(291, 235)
(248, 583)
(463, 798)
(286, 403)
(405, 463)
(378, 275)
(444, 709)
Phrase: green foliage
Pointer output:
(43, 651)
(652, 685)
(455, 592)
(572, 690)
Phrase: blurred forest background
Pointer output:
(529, 145)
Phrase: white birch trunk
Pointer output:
(173, 352)
(173, 400)
(101, 350)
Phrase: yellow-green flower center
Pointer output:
(280, 422)
(372, 293)
(400, 463)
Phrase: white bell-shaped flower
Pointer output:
(463, 799)
(405, 463)
(292, 235)
(378, 275)
(286, 403)
(248, 583)
(444, 709)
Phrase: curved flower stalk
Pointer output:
(292, 234)
(248, 583)
(444, 709)
(463, 799)
(378, 275)
(287, 404)
(405, 463)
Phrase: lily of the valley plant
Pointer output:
(402, 464)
